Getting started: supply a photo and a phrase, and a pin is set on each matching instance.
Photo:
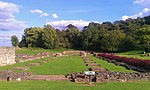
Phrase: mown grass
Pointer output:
(135, 54)
(21, 64)
(109, 66)
(64, 85)
(61, 66)
(65, 65)
(32, 51)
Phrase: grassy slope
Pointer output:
(134, 54)
(32, 51)
(64, 85)
(20, 64)
(109, 66)
(62, 65)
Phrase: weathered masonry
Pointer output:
(7, 56)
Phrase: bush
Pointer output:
(130, 61)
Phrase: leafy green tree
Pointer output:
(14, 40)
(63, 41)
(107, 25)
(86, 37)
(147, 20)
(73, 36)
(143, 35)
(129, 43)
(34, 37)
(49, 37)
(112, 37)
(112, 41)
(22, 43)
(90, 36)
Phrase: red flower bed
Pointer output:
(130, 61)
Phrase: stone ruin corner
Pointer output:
(7, 56)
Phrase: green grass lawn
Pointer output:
(64, 85)
(66, 65)
(20, 64)
(134, 54)
(61, 66)
(109, 66)
(32, 51)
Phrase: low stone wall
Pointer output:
(7, 56)
(80, 77)
(32, 57)
(106, 76)
(121, 77)
(10, 75)
(72, 52)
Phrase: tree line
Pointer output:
(111, 37)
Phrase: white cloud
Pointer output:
(144, 3)
(37, 11)
(8, 23)
(54, 15)
(138, 1)
(9, 7)
(45, 14)
(125, 17)
(7, 18)
(145, 12)
(63, 23)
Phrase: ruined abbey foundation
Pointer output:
(7, 56)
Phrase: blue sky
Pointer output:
(15, 15)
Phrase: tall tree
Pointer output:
(112, 41)
(129, 43)
(49, 37)
(120, 35)
(90, 36)
(63, 41)
(34, 36)
(73, 35)
(143, 35)
(14, 40)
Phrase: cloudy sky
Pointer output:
(15, 15)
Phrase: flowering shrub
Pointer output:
(130, 61)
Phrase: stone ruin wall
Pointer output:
(7, 56)
(107, 76)
(72, 52)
